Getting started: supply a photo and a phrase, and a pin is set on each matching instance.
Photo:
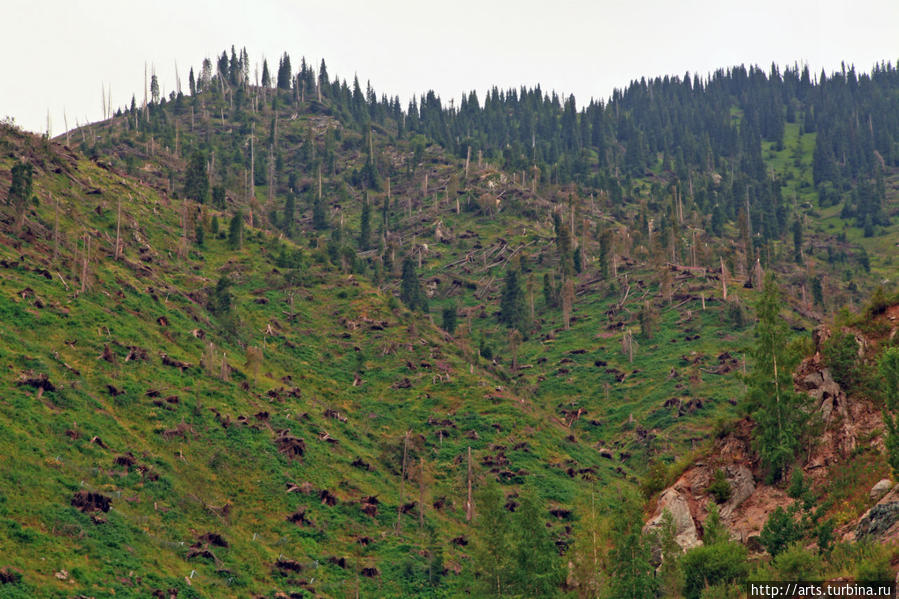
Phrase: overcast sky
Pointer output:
(58, 53)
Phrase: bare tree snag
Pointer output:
(118, 231)
(55, 227)
(467, 160)
(567, 301)
(723, 279)
(271, 174)
(421, 492)
(399, 510)
(86, 257)
(469, 505)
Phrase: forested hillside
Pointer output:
(288, 337)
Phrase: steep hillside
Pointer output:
(161, 440)
(262, 341)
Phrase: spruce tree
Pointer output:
(410, 289)
(449, 319)
(284, 74)
(319, 219)
(196, 183)
(235, 232)
(512, 309)
(365, 225)
(266, 76)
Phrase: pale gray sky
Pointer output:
(58, 53)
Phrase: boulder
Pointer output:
(685, 533)
(881, 489)
(878, 520)
(742, 485)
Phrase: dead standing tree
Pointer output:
(469, 503)
(399, 509)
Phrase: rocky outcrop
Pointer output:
(845, 421)
(882, 487)
(685, 533)
(881, 522)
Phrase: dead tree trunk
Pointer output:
(118, 230)
(421, 492)
(469, 505)
(87, 254)
(723, 279)
(55, 228)
(399, 509)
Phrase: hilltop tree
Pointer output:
(776, 408)
(154, 89)
(284, 73)
(266, 76)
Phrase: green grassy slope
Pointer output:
(318, 349)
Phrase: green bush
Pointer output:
(797, 563)
(656, 478)
(779, 531)
(721, 591)
(874, 567)
(710, 565)
(720, 487)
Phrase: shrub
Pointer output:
(449, 319)
(720, 487)
(656, 478)
(797, 563)
(711, 565)
(874, 567)
(779, 531)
